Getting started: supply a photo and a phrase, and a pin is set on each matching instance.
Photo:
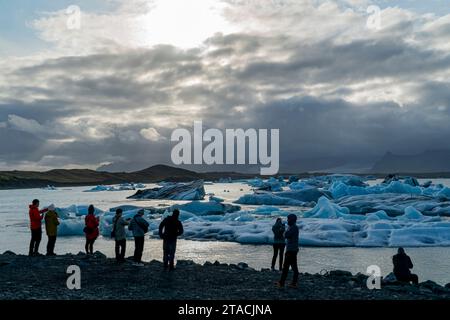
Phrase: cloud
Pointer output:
(337, 91)
(151, 134)
(25, 125)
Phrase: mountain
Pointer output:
(430, 161)
(122, 166)
(84, 177)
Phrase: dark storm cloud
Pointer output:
(235, 81)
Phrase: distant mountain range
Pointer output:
(431, 161)
(85, 177)
(429, 164)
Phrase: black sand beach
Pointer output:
(43, 278)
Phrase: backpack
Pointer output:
(142, 226)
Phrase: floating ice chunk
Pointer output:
(207, 208)
(216, 199)
(325, 209)
(443, 193)
(394, 204)
(412, 213)
(50, 188)
(376, 216)
(305, 195)
(173, 191)
(98, 189)
(268, 199)
(266, 210)
(300, 185)
(71, 227)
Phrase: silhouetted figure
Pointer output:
(51, 227)
(119, 234)
(279, 244)
(290, 258)
(139, 227)
(169, 229)
(402, 265)
(91, 229)
(36, 217)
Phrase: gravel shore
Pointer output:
(43, 278)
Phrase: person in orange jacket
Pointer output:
(36, 217)
(91, 229)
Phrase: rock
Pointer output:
(340, 273)
(447, 285)
(185, 263)
(207, 264)
(9, 253)
(99, 255)
(242, 266)
(433, 286)
(352, 283)
(360, 278)
(216, 263)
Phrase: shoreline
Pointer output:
(44, 278)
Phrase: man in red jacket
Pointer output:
(36, 217)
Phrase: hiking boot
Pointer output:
(278, 284)
(293, 285)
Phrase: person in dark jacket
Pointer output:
(279, 244)
(139, 227)
(36, 217)
(169, 230)
(290, 258)
(91, 229)
(402, 265)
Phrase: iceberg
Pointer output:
(327, 224)
(395, 204)
(325, 209)
(267, 198)
(305, 195)
(50, 188)
(272, 184)
(206, 208)
(173, 191)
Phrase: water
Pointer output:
(430, 263)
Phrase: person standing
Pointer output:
(402, 265)
(120, 236)
(51, 227)
(36, 217)
(91, 229)
(290, 259)
(279, 244)
(169, 230)
(139, 227)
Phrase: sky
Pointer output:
(345, 81)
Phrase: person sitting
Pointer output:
(402, 265)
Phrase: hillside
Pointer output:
(430, 161)
(84, 177)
